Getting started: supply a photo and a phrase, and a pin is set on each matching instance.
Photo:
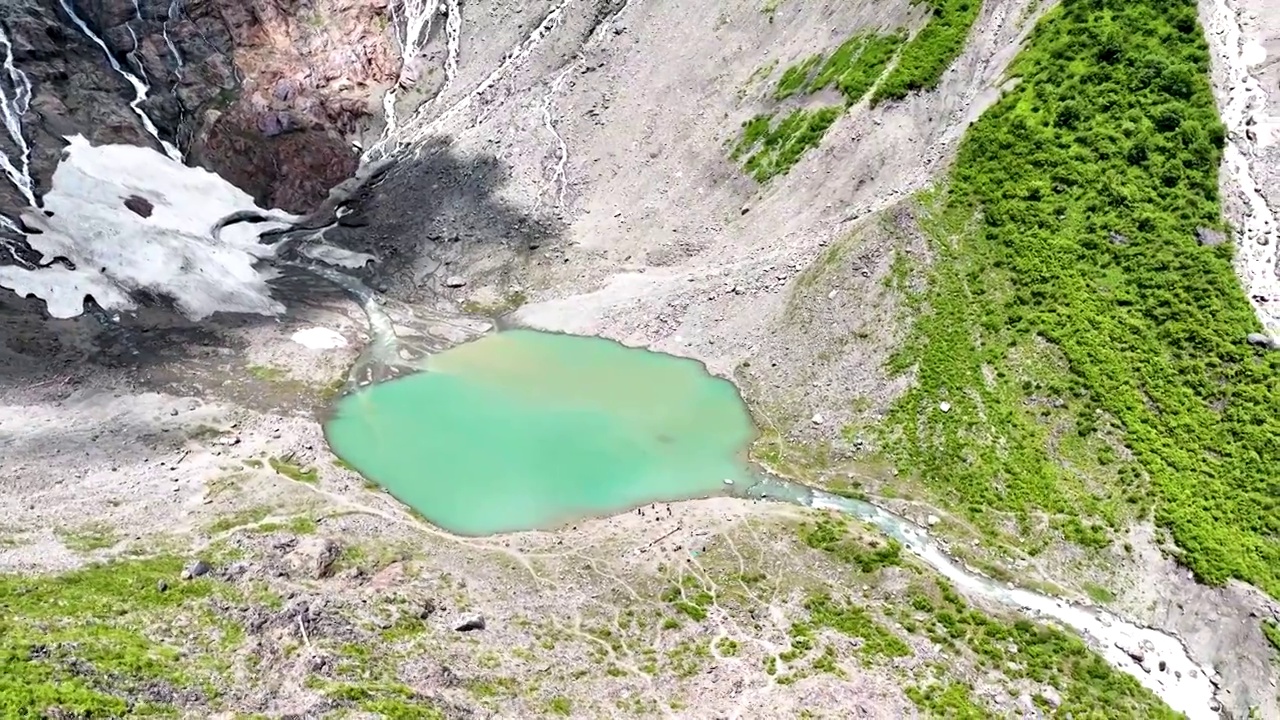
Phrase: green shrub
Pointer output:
(932, 50)
(1071, 221)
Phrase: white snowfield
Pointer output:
(116, 251)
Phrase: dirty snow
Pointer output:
(319, 338)
(115, 251)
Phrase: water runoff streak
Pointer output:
(140, 87)
(172, 16)
(15, 98)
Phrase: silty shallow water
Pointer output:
(521, 430)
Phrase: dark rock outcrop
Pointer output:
(263, 92)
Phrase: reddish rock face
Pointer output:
(311, 72)
(267, 92)
(292, 171)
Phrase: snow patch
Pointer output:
(319, 338)
(115, 251)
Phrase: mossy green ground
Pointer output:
(771, 147)
(931, 609)
(932, 50)
(91, 643)
(1092, 354)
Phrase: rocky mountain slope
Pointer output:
(936, 314)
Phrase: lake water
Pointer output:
(521, 430)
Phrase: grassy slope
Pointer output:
(1092, 352)
(92, 642)
(931, 51)
(1014, 651)
(772, 148)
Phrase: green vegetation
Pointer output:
(932, 50)
(795, 78)
(509, 303)
(856, 65)
(690, 598)
(390, 700)
(560, 705)
(1098, 593)
(267, 373)
(772, 147)
(90, 537)
(833, 536)
(949, 700)
(878, 642)
(93, 642)
(1090, 351)
(286, 467)
(1271, 628)
(1021, 650)
(240, 518)
(252, 518)
(780, 145)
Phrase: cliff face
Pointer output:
(264, 92)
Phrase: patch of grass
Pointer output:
(89, 537)
(509, 303)
(1070, 226)
(240, 518)
(795, 78)
(786, 141)
(87, 642)
(294, 471)
(690, 598)
(772, 146)
(560, 705)
(1271, 629)
(267, 373)
(390, 700)
(949, 700)
(878, 642)
(856, 65)
(494, 687)
(928, 55)
(687, 658)
(298, 525)
(728, 647)
(833, 536)
(1098, 593)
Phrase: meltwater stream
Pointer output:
(140, 87)
(15, 99)
(521, 430)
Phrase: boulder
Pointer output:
(1209, 237)
(1263, 340)
(196, 569)
(314, 557)
(469, 623)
